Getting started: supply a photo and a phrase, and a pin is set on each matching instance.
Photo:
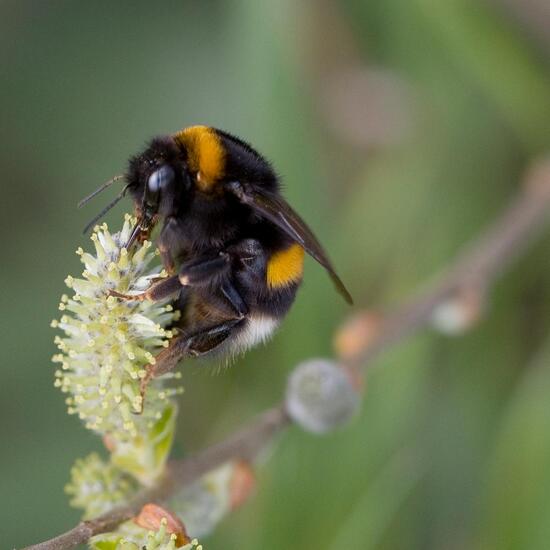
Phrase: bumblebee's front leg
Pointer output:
(168, 243)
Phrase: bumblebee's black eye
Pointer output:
(160, 178)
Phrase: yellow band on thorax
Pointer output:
(206, 154)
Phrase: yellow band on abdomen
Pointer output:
(285, 267)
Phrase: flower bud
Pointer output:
(357, 333)
(460, 312)
(241, 483)
(97, 486)
(320, 396)
(153, 516)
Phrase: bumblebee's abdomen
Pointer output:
(284, 272)
(285, 267)
(256, 329)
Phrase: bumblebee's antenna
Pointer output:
(107, 208)
(99, 189)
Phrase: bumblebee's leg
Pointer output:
(166, 244)
(200, 272)
(238, 308)
(167, 259)
(156, 292)
(203, 340)
(205, 270)
(189, 345)
(198, 343)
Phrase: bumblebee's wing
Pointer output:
(275, 209)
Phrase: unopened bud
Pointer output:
(459, 312)
(357, 333)
(241, 483)
(109, 442)
(320, 396)
(153, 516)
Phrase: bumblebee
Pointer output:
(232, 246)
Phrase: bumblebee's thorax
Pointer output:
(206, 222)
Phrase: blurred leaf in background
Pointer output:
(401, 128)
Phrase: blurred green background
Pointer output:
(401, 128)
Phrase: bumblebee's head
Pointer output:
(157, 179)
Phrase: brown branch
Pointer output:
(246, 443)
(477, 267)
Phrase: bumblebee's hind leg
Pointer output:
(190, 345)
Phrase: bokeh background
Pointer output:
(401, 128)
